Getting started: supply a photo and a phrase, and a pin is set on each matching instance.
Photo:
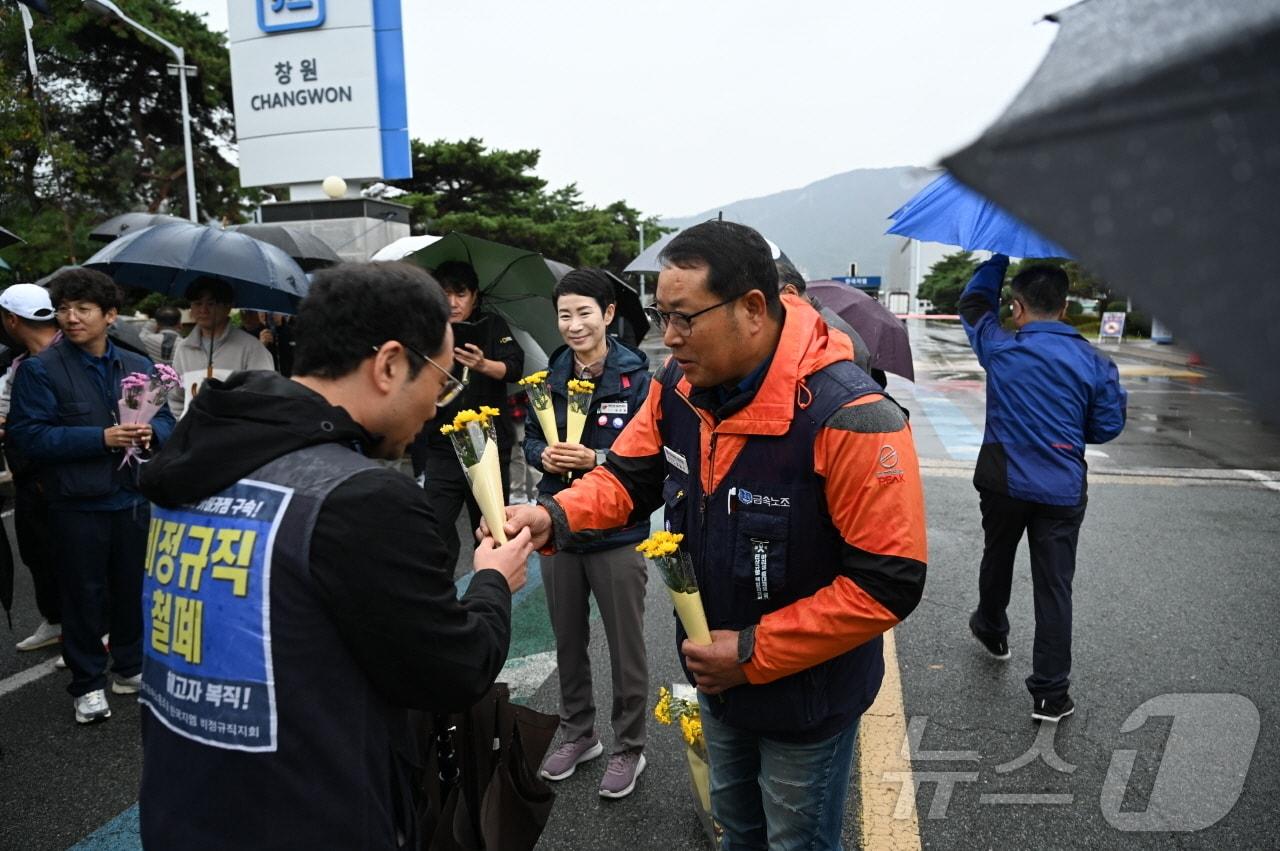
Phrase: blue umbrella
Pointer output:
(948, 212)
(167, 258)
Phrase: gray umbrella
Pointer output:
(308, 250)
(1148, 144)
(118, 226)
(646, 262)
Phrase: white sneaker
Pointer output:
(91, 707)
(46, 634)
(127, 685)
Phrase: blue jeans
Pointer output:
(781, 796)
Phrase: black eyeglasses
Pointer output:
(452, 386)
(682, 323)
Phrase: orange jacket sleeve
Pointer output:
(867, 457)
(626, 488)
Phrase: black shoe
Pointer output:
(1051, 708)
(994, 644)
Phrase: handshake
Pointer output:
(527, 527)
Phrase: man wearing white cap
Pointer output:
(27, 316)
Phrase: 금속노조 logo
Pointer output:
(284, 15)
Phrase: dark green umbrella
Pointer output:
(515, 283)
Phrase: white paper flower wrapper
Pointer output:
(479, 446)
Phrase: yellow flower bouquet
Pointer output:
(575, 418)
(475, 442)
(579, 406)
(663, 548)
(680, 706)
(535, 384)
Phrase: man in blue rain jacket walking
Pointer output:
(1048, 394)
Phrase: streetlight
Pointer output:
(108, 8)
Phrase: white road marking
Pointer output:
(30, 675)
(1268, 479)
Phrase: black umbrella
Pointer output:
(629, 322)
(1148, 145)
(8, 237)
(118, 226)
(168, 258)
(308, 250)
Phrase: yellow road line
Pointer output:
(887, 814)
(1129, 370)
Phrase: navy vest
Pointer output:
(82, 402)
(762, 540)
(259, 723)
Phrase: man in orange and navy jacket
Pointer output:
(795, 482)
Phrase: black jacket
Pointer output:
(493, 335)
(403, 637)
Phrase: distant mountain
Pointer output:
(827, 224)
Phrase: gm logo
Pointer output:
(283, 15)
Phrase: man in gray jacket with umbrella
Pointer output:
(215, 348)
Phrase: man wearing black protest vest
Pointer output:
(288, 629)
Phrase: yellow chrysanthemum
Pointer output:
(533, 378)
(447, 429)
(660, 544)
(578, 386)
(663, 710)
(469, 416)
(691, 729)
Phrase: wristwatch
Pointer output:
(601, 455)
(746, 644)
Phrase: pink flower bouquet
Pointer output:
(141, 398)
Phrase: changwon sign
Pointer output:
(318, 89)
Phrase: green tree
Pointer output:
(109, 136)
(463, 186)
(1083, 283)
(946, 280)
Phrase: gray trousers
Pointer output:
(617, 578)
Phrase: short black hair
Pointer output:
(737, 259)
(1042, 289)
(215, 288)
(168, 316)
(81, 284)
(457, 275)
(593, 283)
(353, 308)
(788, 274)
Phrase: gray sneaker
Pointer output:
(569, 756)
(620, 776)
(91, 707)
(46, 635)
(127, 685)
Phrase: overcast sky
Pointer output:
(677, 106)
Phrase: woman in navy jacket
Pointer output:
(605, 565)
